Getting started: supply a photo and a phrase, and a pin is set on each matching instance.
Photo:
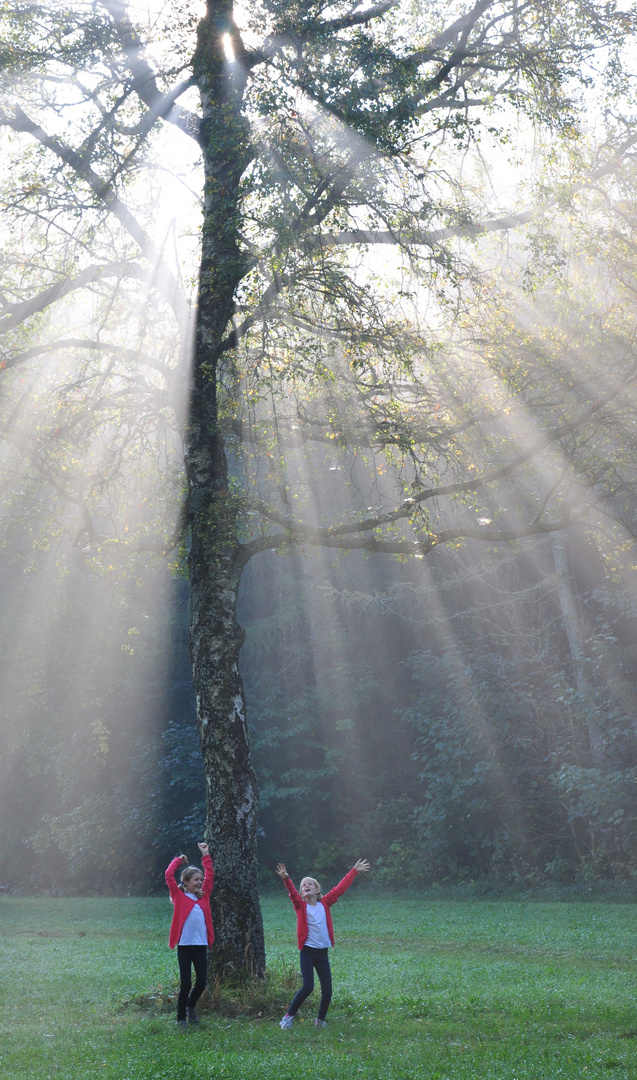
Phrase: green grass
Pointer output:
(438, 990)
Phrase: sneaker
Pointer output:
(320, 1023)
(192, 1015)
(286, 1023)
(181, 1024)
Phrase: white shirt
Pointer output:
(317, 935)
(194, 930)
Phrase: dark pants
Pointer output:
(311, 959)
(197, 956)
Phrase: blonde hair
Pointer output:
(314, 882)
(186, 875)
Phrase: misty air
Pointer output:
(318, 519)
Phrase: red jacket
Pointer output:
(183, 905)
(330, 898)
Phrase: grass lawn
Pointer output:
(431, 989)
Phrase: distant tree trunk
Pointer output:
(572, 623)
(215, 559)
(571, 620)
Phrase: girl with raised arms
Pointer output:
(191, 929)
(315, 936)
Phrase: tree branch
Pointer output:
(428, 238)
(144, 79)
(331, 536)
(464, 23)
(15, 314)
(419, 547)
(358, 17)
(471, 229)
(103, 190)
(92, 345)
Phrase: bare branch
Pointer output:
(144, 79)
(420, 547)
(358, 17)
(160, 110)
(104, 191)
(15, 314)
(423, 237)
(472, 229)
(335, 535)
(92, 345)
(451, 33)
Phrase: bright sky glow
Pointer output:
(227, 47)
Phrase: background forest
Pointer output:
(425, 391)
(446, 723)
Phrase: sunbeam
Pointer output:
(333, 306)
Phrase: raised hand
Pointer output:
(362, 866)
(281, 871)
(203, 848)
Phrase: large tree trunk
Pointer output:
(215, 553)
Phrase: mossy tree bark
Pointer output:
(216, 559)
